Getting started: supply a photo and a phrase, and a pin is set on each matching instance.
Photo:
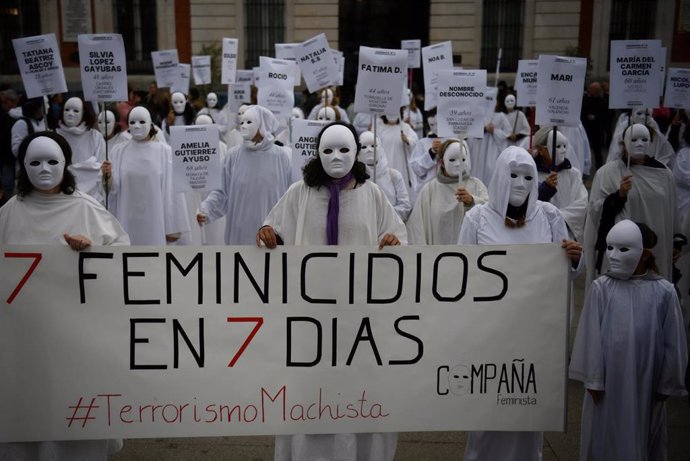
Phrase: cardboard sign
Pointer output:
(276, 86)
(380, 80)
(435, 58)
(678, 88)
(103, 67)
(285, 51)
(245, 76)
(166, 67)
(303, 143)
(414, 53)
(201, 69)
(635, 73)
(132, 342)
(559, 94)
(238, 94)
(526, 82)
(461, 103)
(181, 83)
(196, 158)
(316, 63)
(228, 67)
(40, 65)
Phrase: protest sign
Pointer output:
(677, 88)
(635, 74)
(490, 94)
(526, 82)
(303, 143)
(461, 102)
(40, 65)
(196, 158)
(414, 53)
(228, 67)
(435, 58)
(201, 69)
(165, 67)
(132, 342)
(380, 80)
(285, 51)
(181, 82)
(103, 67)
(559, 94)
(316, 63)
(339, 58)
(238, 94)
(276, 86)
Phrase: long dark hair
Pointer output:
(649, 240)
(67, 185)
(316, 176)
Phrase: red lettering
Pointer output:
(37, 258)
(259, 321)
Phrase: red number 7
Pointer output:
(259, 321)
(37, 258)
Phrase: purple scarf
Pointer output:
(335, 186)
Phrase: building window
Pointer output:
(264, 27)
(502, 22)
(17, 19)
(632, 19)
(136, 20)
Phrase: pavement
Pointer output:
(412, 446)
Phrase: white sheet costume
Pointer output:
(579, 152)
(423, 165)
(519, 126)
(486, 150)
(255, 176)
(660, 148)
(399, 153)
(216, 114)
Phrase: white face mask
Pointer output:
(106, 128)
(640, 116)
(73, 112)
(520, 184)
(326, 114)
(561, 146)
(454, 160)
(139, 123)
(297, 113)
(179, 102)
(44, 163)
(203, 120)
(337, 151)
(432, 124)
(366, 153)
(249, 124)
(636, 141)
(623, 249)
(510, 102)
(211, 100)
(327, 97)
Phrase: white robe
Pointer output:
(631, 344)
(485, 151)
(42, 219)
(422, 165)
(681, 174)
(361, 123)
(399, 153)
(219, 118)
(652, 200)
(437, 215)
(579, 152)
(416, 121)
(118, 138)
(299, 218)
(393, 185)
(253, 180)
(518, 125)
(141, 195)
(571, 199)
(88, 152)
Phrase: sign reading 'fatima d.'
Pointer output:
(380, 80)
(40, 65)
(303, 142)
(526, 82)
(677, 88)
(166, 67)
(120, 342)
(635, 73)
(103, 67)
(559, 93)
(196, 158)
(461, 102)
(316, 63)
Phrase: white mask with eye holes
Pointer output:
(139, 123)
(509, 102)
(106, 128)
(623, 249)
(211, 100)
(73, 112)
(203, 119)
(366, 153)
(179, 102)
(641, 116)
(432, 124)
(520, 184)
(44, 163)
(249, 124)
(326, 114)
(561, 146)
(337, 151)
(327, 97)
(454, 160)
(297, 113)
(637, 140)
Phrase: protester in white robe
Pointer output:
(437, 215)
(234, 137)
(659, 148)
(519, 126)
(412, 115)
(48, 210)
(362, 122)
(561, 183)
(643, 192)
(283, 137)
(399, 140)
(630, 352)
(141, 191)
(423, 161)
(389, 180)
(109, 125)
(255, 175)
(579, 152)
(181, 114)
(88, 146)
(216, 114)
(485, 151)
(328, 99)
(306, 215)
(513, 215)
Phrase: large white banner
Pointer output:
(526, 82)
(316, 63)
(146, 342)
(303, 143)
(40, 65)
(461, 103)
(635, 73)
(677, 88)
(229, 62)
(196, 158)
(380, 81)
(165, 67)
(435, 58)
(201, 70)
(414, 53)
(103, 66)
(560, 90)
